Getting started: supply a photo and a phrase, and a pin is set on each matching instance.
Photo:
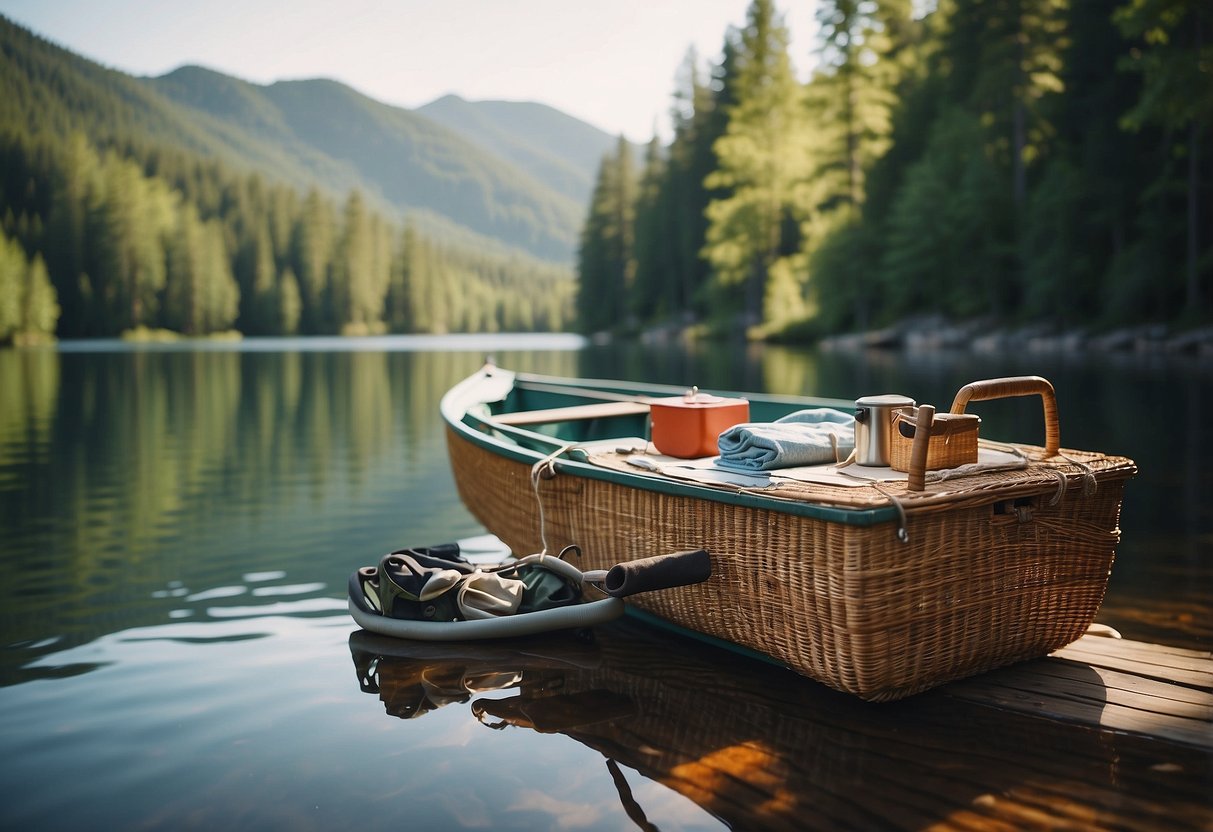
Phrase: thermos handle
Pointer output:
(1001, 388)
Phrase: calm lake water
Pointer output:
(176, 529)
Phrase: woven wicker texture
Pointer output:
(992, 573)
(1043, 475)
(955, 446)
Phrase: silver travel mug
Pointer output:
(874, 427)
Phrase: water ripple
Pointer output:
(307, 606)
(217, 592)
(289, 589)
(261, 577)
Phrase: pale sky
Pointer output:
(609, 62)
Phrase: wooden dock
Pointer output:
(1104, 734)
(1152, 690)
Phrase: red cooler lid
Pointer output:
(693, 398)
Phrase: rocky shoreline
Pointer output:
(979, 336)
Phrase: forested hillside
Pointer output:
(121, 209)
(1018, 160)
(338, 138)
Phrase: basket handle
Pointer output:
(923, 420)
(1002, 388)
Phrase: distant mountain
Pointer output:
(554, 147)
(407, 159)
(516, 173)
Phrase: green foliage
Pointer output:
(947, 236)
(39, 303)
(28, 304)
(846, 270)
(311, 251)
(123, 226)
(1173, 51)
(764, 164)
(653, 254)
(203, 296)
(13, 268)
(861, 43)
(1175, 62)
(125, 250)
(301, 133)
(672, 221)
(607, 259)
(1044, 160)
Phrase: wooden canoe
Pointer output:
(871, 588)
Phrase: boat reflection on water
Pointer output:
(414, 678)
(760, 747)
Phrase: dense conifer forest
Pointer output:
(1018, 160)
(1046, 161)
(117, 214)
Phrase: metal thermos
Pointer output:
(874, 427)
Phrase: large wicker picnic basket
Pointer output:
(967, 575)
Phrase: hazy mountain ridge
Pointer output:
(406, 159)
(506, 174)
(551, 145)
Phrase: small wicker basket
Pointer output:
(952, 441)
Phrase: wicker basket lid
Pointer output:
(944, 424)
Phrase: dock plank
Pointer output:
(1110, 684)
(1113, 652)
(1119, 681)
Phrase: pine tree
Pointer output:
(623, 244)
(606, 264)
(201, 295)
(289, 303)
(398, 313)
(859, 78)
(1081, 213)
(1176, 67)
(28, 306)
(220, 294)
(654, 244)
(763, 161)
(66, 241)
(947, 248)
(865, 53)
(260, 293)
(1006, 60)
(357, 287)
(12, 279)
(183, 305)
(698, 122)
(380, 275)
(312, 249)
(40, 306)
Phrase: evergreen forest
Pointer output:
(118, 214)
(1044, 161)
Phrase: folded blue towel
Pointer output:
(800, 438)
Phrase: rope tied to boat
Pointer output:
(545, 469)
(1090, 484)
(903, 533)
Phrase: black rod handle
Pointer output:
(660, 572)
